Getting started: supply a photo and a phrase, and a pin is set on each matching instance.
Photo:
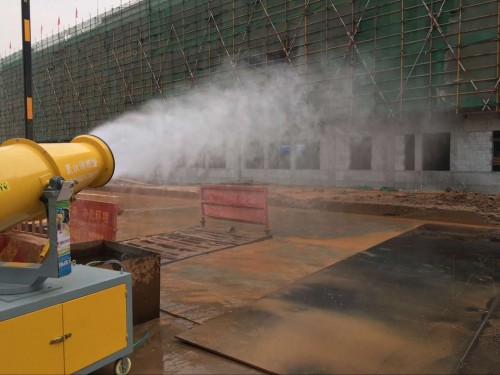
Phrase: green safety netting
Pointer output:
(152, 49)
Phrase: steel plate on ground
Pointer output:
(187, 243)
(412, 304)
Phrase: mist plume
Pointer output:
(162, 135)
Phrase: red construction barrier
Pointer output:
(233, 202)
(92, 221)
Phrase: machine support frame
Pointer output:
(17, 278)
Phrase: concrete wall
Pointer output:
(470, 158)
(471, 151)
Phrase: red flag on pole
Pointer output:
(10, 45)
(58, 21)
(76, 12)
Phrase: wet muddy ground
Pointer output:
(196, 290)
(408, 305)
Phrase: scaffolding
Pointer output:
(357, 58)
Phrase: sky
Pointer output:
(45, 13)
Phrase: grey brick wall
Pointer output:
(471, 152)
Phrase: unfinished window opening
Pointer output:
(410, 152)
(436, 152)
(180, 160)
(279, 155)
(217, 157)
(254, 158)
(278, 56)
(307, 155)
(495, 162)
(199, 160)
(360, 149)
(256, 60)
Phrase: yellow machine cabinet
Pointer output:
(18, 333)
(75, 324)
(97, 324)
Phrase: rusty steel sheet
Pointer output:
(190, 242)
(412, 304)
(247, 204)
(143, 265)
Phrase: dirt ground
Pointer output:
(465, 201)
(449, 205)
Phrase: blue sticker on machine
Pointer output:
(64, 262)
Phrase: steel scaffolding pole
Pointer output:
(350, 44)
(346, 52)
(77, 94)
(233, 66)
(10, 106)
(199, 49)
(123, 78)
(493, 90)
(459, 49)
(99, 86)
(184, 56)
(157, 84)
(427, 38)
(288, 58)
(290, 47)
(58, 103)
(246, 31)
(354, 45)
(41, 104)
(443, 35)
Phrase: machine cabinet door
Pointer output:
(33, 343)
(95, 326)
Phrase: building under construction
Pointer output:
(407, 91)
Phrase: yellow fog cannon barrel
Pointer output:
(26, 168)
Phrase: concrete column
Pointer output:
(327, 160)
(419, 157)
(399, 152)
(383, 156)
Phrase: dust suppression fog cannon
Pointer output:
(37, 181)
